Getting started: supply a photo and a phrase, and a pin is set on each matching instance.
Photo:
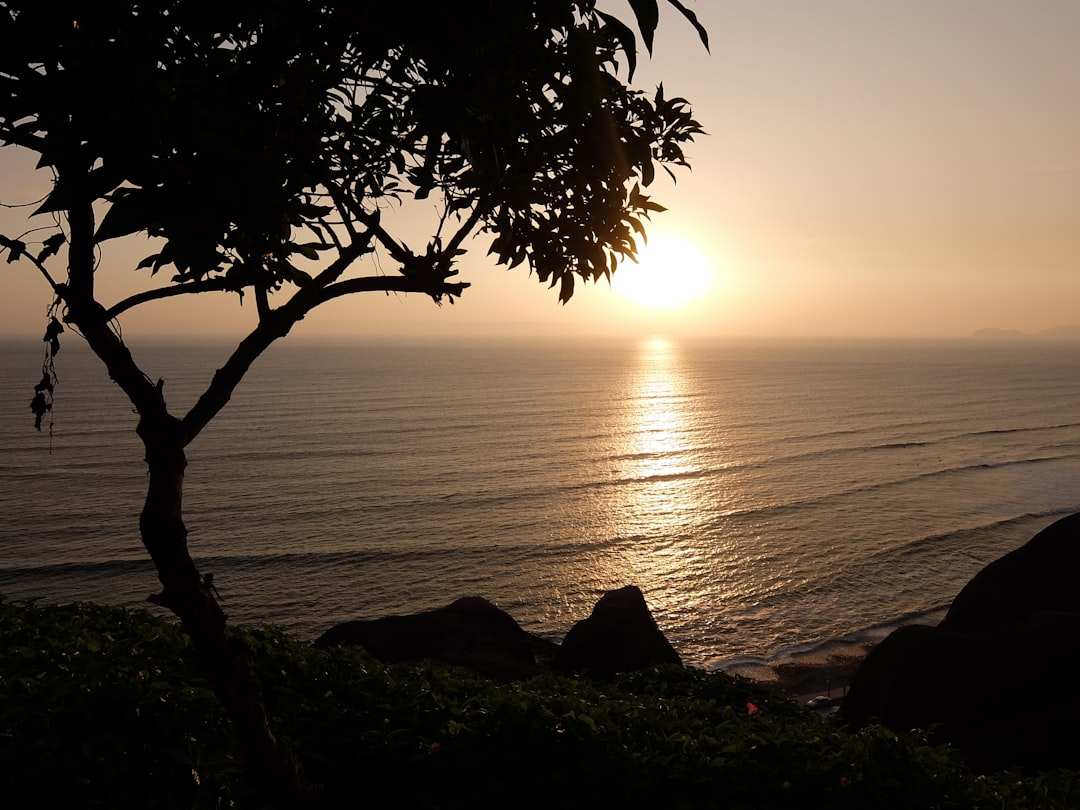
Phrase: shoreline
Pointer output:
(805, 682)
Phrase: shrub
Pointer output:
(104, 707)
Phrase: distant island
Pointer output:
(1057, 333)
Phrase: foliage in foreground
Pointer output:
(104, 707)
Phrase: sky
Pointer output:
(872, 168)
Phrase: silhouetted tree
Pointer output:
(260, 143)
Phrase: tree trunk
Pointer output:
(226, 660)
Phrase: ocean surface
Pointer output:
(774, 500)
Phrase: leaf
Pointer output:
(648, 17)
(126, 215)
(52, 336)
(310, 250)
(16, 248)
(313, 211)
(93, 186)
(566, 287)
(51, 246)
(703, 35)
(626, 39)
(39, 406)
(291, 272)
(648, 173)
(149, 261)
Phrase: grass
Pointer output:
(105, 707)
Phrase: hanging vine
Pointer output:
(42, 403)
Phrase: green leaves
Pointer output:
(104, 707)
(100, 707)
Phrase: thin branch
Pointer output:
(278, 324)
(347, 254)
(403, 284)
(343, 209)
(374, 226)
(189, 288)
(346, 257)
(262, 301)
(480, 209)
(19, 251)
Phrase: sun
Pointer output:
(669, 272)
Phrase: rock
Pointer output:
(471, 633)
(620, 636)
(996, 678)
(1004, 698)
(1038, 576)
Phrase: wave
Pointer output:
(506, 496)
(821, 652)
(827, 452)
(87, 569)
(825, 499)
(958, 539)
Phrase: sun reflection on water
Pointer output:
(658, 444)
(658, 512)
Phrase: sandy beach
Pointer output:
(804, 682)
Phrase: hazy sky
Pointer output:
(909, 167)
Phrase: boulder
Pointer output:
(1037, 577)
(996, 678)
(471, 632)
(1004, 698)
(619, 636)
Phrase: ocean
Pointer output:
(775, 500)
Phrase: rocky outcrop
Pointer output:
(1039, 576)
(471, 633)
(997, 678)
(1005, 698)
(620, 635)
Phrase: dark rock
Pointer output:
(471, 633)
(1004, 698)
(620, 636)
(1039, 576)
(996, 678)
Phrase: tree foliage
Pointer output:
(267, 146)
(255, 136)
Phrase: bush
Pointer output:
(104, 707)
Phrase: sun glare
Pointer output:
(669, 272)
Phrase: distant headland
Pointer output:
(1057, 333)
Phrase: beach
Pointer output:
(806, 682)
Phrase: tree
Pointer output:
(263, 145)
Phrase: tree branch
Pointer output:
(480, 209)
(188, 288)
(280, 321)
(358, 247)
(375, 228)
(19, 251)
(403, 284)
(92, 321)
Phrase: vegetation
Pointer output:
(281, 152)
(105, 707)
